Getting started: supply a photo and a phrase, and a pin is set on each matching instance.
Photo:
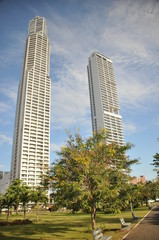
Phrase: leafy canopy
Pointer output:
(87, 170)
(156, 162)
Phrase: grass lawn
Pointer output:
(69, 226)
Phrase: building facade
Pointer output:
(1, 175)
(104, 98)
(31, 142)
(4, 182)
(136, 180)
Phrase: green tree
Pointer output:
(141, 193)
(81, 175)
(1, 202)
(15, 190)
(118, 199)
(137, 196)
(152, 189)
(45, 181)
(8, 201)
(25, 196)
(156, 162)
(12, 196)
(38, 196)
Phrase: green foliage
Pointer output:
(141, 193)
(25, 196)
(18, 193)
(45, 181)
(88, 171)
(15, 190)
(1, 202)
(156, 162)
(7, 201)
(151, 190)
(38, 196)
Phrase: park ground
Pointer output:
(62, 225)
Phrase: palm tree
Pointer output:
(25, 196)
(15, 190)
(7, 201)
(38, 196)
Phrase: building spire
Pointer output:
(37, 24)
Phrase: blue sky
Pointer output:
(125, 31)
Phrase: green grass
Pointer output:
(64, 226)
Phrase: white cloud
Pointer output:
(133, 30)
(4, 107)
(14, 49)
(128, 35)
(5, 139)
(156, 121)
(9, 91)
(2, 167)
(70, 97)
(54, 147)
(130, 128)
(135, 94)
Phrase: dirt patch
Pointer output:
(16, 222)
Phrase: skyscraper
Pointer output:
(31, 142)
(104, 98)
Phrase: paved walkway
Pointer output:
(148, 228)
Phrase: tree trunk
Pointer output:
(8, 215)
(24, 212)
(93, 216)
(37, 217)
(16, 210)
(37, 213)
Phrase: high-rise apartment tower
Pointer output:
(104, 98)
(31, 142)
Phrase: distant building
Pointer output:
(1, 174)
(104, 97)
(4, 181)
(136, 180)
(31, 142)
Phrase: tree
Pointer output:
(156, 162)
(152, 190)
(25, 196)
(12, 196)
(15, 190)
(38, 196)
(7, 201)
(86, 170)
(45, 181)
(1, 202)
(137, 195)
(118, 198)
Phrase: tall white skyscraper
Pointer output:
(104, 98)
(31, 142)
